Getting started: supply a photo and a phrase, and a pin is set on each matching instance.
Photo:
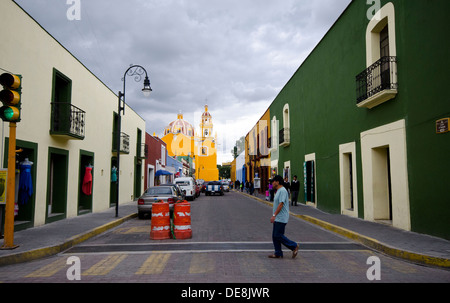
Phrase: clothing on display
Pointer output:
(87, 181)
(114, 174)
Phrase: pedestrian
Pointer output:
(287, 185)
(295, 188)
(271, 191)
(279, 220)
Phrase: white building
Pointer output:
(68, 120)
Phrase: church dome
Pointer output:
(180, 126)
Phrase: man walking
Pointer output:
(280, 218)
(295, 188)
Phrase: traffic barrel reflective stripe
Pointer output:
(182, 220)
(160, 226)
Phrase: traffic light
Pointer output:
(10, 97)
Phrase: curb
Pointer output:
(370, 242)
(56, 249)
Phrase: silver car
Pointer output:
(166, 193)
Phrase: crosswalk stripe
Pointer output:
(105, 266)
(48, 270)
(154, 264)
(201, 264)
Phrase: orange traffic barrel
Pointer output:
(160, 228)
(182, 220)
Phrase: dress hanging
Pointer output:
(25, 182)
(87, 181)
(114, 174)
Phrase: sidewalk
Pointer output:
(414, 247)
(50, 239)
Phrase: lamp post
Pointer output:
(137, 72)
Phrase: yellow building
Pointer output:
(182, 141)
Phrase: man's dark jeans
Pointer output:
(279, 238)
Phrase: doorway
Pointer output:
(57, 184)
(25, 203)
(385, 175)
(150, 176)
(137, 178)
(113, 183)
(86, 173)
(382, 195)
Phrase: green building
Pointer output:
(363, 122)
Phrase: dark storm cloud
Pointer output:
(236, 55)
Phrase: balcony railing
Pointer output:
(284, 137)
(124, 143)
(378, 83)
(142, 151)
(67, 120)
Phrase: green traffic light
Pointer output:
(10, 96)
(9, 113)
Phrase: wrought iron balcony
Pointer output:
(67, 120)
(142, 151)
(124, 143)
(285, 138)
(378, 83)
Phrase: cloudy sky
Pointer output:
(234, 55)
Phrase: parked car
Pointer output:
(166, 193)
(226, 185)
(188, 185)
(214, 187)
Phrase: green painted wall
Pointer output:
(323, 111)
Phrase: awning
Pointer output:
(162, 173)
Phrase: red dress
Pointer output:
(87, 182)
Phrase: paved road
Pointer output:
(231, 241)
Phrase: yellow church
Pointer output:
(182, 141)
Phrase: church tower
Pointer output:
(206, 160)
(206, 124)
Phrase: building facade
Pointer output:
(182, 141)
(68, 128)
(258, 144)
(364, 120)
(155, 161)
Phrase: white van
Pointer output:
(187, 184)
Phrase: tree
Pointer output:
(239, 147)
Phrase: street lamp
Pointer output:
(137, 72)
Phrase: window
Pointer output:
(378, 83)
(380, 35)
(163, 155)
(285, 139)
(274, 130)
(66, 120)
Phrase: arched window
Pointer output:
(285, 139)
